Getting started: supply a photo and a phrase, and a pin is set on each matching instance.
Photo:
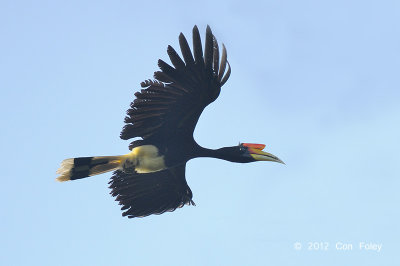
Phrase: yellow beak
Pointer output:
(259, 155)
(264, 156)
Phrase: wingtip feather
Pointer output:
(208, 49)
(197, 49)
(228, 73)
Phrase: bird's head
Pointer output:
(248, 152)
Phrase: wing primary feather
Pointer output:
(161, 76)
(168, 70)
(208, 49)
(223, 63)
(185, 49)
(228, 73)
(175, 58)
(197, 49)
(216, 56)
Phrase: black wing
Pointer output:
(172, 104)
(152, 193)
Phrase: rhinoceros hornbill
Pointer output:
(150, 179)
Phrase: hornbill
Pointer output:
(150, 179)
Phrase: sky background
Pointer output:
(316, 81)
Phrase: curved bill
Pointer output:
(256, 152)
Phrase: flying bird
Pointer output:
(150, 179)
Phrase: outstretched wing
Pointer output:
(152, 193)
(172, 104)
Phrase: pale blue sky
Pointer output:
(316, 81)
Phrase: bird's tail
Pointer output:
(76, 168)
